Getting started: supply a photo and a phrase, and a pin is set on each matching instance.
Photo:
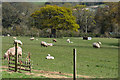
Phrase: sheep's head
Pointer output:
(18, 41)
(54, 40)
(48, 54)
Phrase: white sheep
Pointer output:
(49, 57)
(50, 44)
(32, 38)
(96, 44)
(14, 38)
(37, 39)
(11, 52)
(44, 44)
(18, 41)
(68, 40)
(8, 35)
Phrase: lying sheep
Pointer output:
(32, 38)
(96, 44)
(11, 52)
(50, 44)
(14, 38)
(8, 35)
(44, 44)
(68, 40)
(54, 40)
(49, 57)
(37, 39)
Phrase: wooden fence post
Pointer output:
(29, 61)
(74, 64)
(16, 56)
(8, 62)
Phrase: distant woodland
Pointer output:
(61, 19)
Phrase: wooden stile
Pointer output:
(18, 63)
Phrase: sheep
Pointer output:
(44, 44)
(32, 38)
(8, 35)
(18, 41)
(96, 44)
(50, 44)
(54, 40)
(49, 57)
(36, 39)
(68, 40)
(14, 38)
(11, 52)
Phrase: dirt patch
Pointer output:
(3, 67)
(48, 74)
(60, 73)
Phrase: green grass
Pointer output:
(93, 62)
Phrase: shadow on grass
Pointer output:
(115, 45)
(85, 46)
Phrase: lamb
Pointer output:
(32, 38)
(54, 40)
(68, 40)
(96, 44)
(44, 44)
(14, 38)
(11, 52)
(49, 57)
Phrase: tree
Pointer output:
(54, 17)
(85, 18)
(107, 18)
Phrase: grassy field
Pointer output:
(102, 62)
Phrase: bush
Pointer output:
(20, 31)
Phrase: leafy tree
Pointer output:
(54, 17)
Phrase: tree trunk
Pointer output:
(53, 33)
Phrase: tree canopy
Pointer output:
(55, 17)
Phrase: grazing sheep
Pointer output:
(18, 41)
(54, 40)
(49, 57)
(32, 38)
(14, 38)
(96, 44)
(44, 44)
(11, 52)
